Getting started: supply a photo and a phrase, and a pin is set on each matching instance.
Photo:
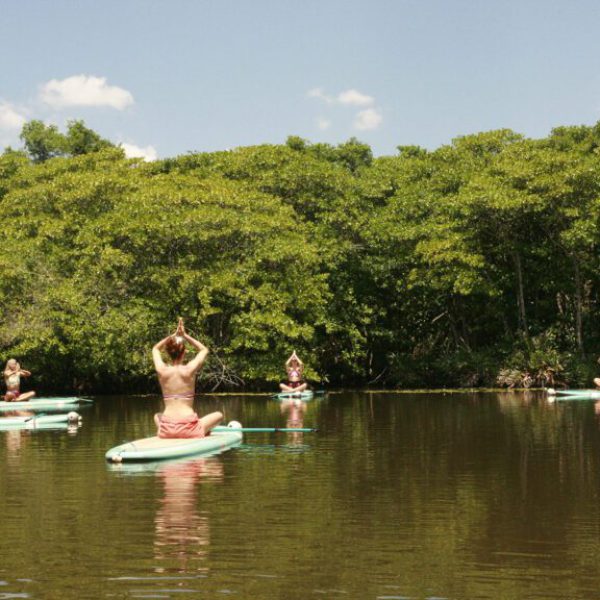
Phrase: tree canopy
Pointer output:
(473, 264)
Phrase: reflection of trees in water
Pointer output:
(498, 478)
(182, 534)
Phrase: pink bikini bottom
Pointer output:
(180, 427)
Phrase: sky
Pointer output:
(168, 77)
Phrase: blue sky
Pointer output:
(169, 77)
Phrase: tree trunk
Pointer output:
(578, 308)
(521, 297)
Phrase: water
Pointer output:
(398, 496)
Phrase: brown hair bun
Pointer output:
(174, 348)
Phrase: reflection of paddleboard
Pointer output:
(38, 422)
(42, 404)
(192, 465)
(155, 448)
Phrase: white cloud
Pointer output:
(10, 117)
(84, 90)
(321, 95)
(367, 119)
(133, 151)
(347, 97)
(355, 98)
(364, 120)
(323, 123)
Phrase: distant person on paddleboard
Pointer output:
(597, 379)
(12, 378)
(178, 384)
(294, 367)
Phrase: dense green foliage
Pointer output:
(45, 141)
(473, 264)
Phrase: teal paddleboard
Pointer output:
(305, 395)
(43, 404)
(155, 448)
(38, 421)
(576, 395)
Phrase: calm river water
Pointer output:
(397, 496)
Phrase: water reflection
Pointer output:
(14, 441)
(15, 438)
(182, 532)
(294, 411)
(18, 438)
(464, 495)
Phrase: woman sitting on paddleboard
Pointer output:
(12, 378)
(294, 367)
(178, 384)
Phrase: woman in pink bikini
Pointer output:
(12, 379)
(178, 384)
(294, 367)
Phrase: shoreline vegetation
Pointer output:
(337, 391)
(475, 390)
(476, 264)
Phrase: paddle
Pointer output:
(34, 417)
(266, 429)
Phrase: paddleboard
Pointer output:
(305, 395)
(575, 395)
(155, 448)
(38, 421)
(42, 404)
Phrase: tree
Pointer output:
(42, 141)
(82, 140)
